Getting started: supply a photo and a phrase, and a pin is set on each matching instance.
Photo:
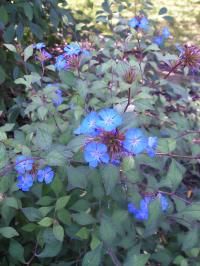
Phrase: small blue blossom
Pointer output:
(159, 40)
(61, 63)
(115, 162)
(109, 119)
(164, 202)
(135, 141)
(39, 45)
(46, 55)
(25, 182)
(138, 22)
(143, 212)
(46, 175)
(23, 164)
(72, 49)
(152, 143)
(88, 125)
(59, 99)
(165, 32)
(96, 153)
(86, 53)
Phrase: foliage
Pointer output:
(142, 207)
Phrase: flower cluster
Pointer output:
(139, 22)
(42, 54)
(71, 57)
(160, 39)
(26, 173)
(143, 212)
(105, 143)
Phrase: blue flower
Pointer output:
(23, 164)
(96, 153)
(159, 40)
(152, 144)
(143, 23)
(109, 119)
(135, 141)
(88, 125)
(45, 175)
(164, 202)
(143, 212)
(59, 99)
(46, 55)
(39, 45)
(86, 53)
(138, 22)
(61, 63)
(72, 49)
(165, 33)
(25, 182)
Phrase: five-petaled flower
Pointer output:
(109, 119)
(72, 49)
(88, 125)
(135, 141)
(61, 63)
(46, 175)
(95, 153)
(25, 182)
(139, 22)
(23, 164)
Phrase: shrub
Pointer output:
(102, 166)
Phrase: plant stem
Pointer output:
(129, 100)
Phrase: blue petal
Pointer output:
(133, 22)
(144, 23)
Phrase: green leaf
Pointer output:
(43, 139)
(162, 11)
(110, 176)
(9, 33)
(93, 257)
(67, 78)
(7, 127)
(11, 202)
(16, 251)
(28, 10)
(2, 75)
(154, 215)
(191, 239)
(54, 17)
(83, 233)
(83, 218)
(46, 222)
(32, 214)
(28, 52)
(51, 249)
(61, 202)
(8, 232)
(10, 47)
(174, 175)
(191, 212)
(58, 232)
(166, 145)
(3, 15)
(137, 260)
(77, 176)
(107, 232)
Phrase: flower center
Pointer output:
(134, 142)
(109, 120)
(96, 154)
